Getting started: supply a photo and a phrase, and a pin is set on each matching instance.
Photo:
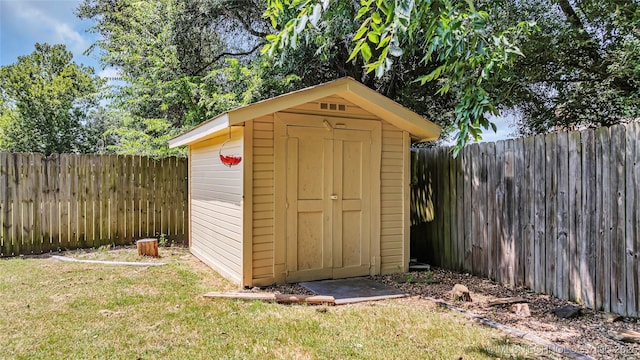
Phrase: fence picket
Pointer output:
(447, 249)
(477, 217)
(540, 215)
(562, 216)
(453, 205)
(468, 211)
(26, 185)
(606, 221)
(528, 214)
(5, 223)
(518, 208)
(112, 178)
(119, 206)
(128, 188)
(491, 251)
(82, 200)
(36, 168)
(633, 219)
(552, 219)
(588, 229)
(501, 235)
(575, 215)
(509, 206)
(632, 212)
(16, 204)
(618, 208)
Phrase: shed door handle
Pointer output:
(334, 197)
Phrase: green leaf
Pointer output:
(361, 31)
(356, 50)
(373, 37)
(365, 50)
(444, 89)
(375, 17)
(384, 41)
(362, 12)
(265, 48)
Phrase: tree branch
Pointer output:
(247, 26)
(226, 53)
(571, 15)
(592, 49)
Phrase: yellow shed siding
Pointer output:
(263, 201)
(216, 206)
(393, 184)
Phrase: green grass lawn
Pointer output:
(51, 309)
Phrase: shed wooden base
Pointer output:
(147, 247)
(279, 298)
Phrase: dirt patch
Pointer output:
(588, 333)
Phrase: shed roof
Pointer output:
(420, 128)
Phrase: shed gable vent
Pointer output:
(333, 107)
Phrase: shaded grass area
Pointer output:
(52, 309)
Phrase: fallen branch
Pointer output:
(279, 298)
(507, 301)
(628, 336)
(123, 263)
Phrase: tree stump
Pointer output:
(147, 247)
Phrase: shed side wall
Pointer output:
(263, 201)
(216, 206)
(393, 185)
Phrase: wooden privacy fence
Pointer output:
(75, 201)
(557, 213)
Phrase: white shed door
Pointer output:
(328, 203)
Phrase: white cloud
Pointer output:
(50, 21)
(75, 41)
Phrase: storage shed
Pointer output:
(321, 191)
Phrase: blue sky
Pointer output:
(26, 22)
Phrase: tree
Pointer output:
(183, 61)
(580, 69)
(469, 51)
(45, 101)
